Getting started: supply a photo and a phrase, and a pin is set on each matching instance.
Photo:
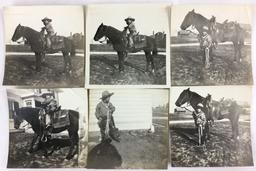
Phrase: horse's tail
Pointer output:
(73, 49)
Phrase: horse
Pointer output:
(227, 109)
(198, 103)
(32, 116)
(226, 31)
(37, 43)
(120, 44)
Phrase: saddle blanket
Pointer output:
(61, 119)
(139, 41)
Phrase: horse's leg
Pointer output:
(35, 136)
(147, 54)
(38, 61)
(72, 144)
(235, 50)
(152, 62)
(239, 51)
(121, 60)
(210, 54)
(67, 63)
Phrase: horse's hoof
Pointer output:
(68, 158)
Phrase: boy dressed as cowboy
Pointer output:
(49, 30)
(104, 112)
(131, 30)
(51, 107)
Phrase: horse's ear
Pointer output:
(193, 10)
(188, 89)
(101, 24)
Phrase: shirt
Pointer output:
(132, 29)
(49, 29)
(102, 110)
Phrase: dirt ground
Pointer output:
(220, 150)
(104, 70)
(187, 67)
(20, 70)
(19, 158)
(138, 149)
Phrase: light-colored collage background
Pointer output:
(4, 133)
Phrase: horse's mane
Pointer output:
(196, 94)
(201, 16)
(113, 28)
(30, 29)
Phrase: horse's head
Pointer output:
(17, 120)
(101, 31)
(183, 98)
(18, 33)
(188, 20)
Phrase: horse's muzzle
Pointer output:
(177, 104)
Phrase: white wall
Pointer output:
(133, 108)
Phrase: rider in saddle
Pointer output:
(49, 30)
(131, 29)
(104, 111)
(51, 106)
(213, 30)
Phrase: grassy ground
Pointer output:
(20, 70)
(19, 158)
(187, 67)
(138, 149)
(220, 150)
(104, 70)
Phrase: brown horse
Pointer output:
(120, 44)
(226, 31)
(38, 45)
(229, 109)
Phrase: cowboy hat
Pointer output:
(46, 19)
(106, 94)
(129, 18)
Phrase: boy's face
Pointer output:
(128, 22)
(106, 100)
(45, 22)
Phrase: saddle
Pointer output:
(61, 119)
(57, 42)
(139, 41)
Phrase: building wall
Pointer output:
(133, 109)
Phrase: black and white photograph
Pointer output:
(47, 128)
(126, 46)
(211, 45)
(44, 46)
(210, 126)
(128, 129)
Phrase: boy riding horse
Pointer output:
(131, 29)
(50, 107)
(49, 30)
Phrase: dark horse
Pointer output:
(31, 115)
(227, 109)
(226, 31)
(38, 45)
(120, 44)
(197, 102)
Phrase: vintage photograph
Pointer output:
(128, 129)
(47, 128)
(44, 46)
(211, 45)
(126, 46)
(210, 126)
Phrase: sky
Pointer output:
(239, 13)
(65, 19)
(148, 18)
(238, 93)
